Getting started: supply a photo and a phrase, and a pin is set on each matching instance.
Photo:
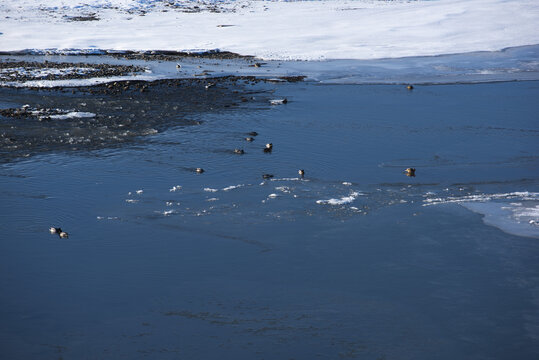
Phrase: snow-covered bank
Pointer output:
(514, 64)
(302, 30)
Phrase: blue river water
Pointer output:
(353, 260)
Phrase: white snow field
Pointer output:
(279, 30)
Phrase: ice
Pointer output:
(73, 115)
(340, 201)
(232, 187)
(514, 218)
(521, 195)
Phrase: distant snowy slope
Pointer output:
(272, 30)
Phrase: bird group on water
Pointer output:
(410, 172)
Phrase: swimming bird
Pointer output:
(63, 235)
(410, 172)
(239, 151)
(268, 147)
(199, 170)
(267, 176)
(301, 172)
(249, 138)
(178, 66)
(209, 85)
(410, 87)
(55, 230)
(253, 133)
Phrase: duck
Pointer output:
(268, 147)
(252, 133)
(239, 151)
(199, 170)
(63, 235)
(178, 66)
(249, 139)
(410, 87)
(410, 172)
(55, 230)
(267, 176)
(301, 172)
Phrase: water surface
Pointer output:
(355, 260)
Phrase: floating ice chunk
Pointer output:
(278, 101)
(175, 188)
(232, 187)
(289, 179)
(344, 200)
(73, 115)
(108, 218)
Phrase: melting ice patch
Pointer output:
(341, 201)
(521, 195)
(520, 217)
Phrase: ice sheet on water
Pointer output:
(520, 218)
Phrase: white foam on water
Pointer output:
(340, 201)
(212, 199)
(139, 191)
(131, 201)
(211, 190)
(175, 188)
(272, 196)
(346, 183)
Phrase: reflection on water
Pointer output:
(353, 260)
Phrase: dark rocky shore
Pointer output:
(34, 120)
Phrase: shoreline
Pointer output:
(76, 70)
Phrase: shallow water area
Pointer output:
(352, 260)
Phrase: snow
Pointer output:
(301, 30)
